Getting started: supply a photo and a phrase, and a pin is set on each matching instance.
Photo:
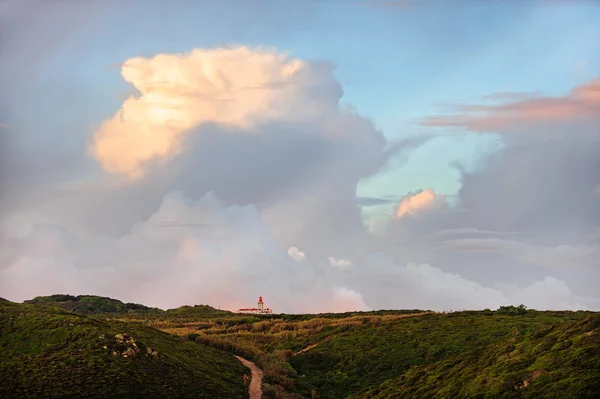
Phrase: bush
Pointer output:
(512, 310)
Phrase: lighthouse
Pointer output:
(260, 305)
(260, 309)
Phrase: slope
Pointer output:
(561, 361)
(49, 352)
(92, 304)
(369, 355)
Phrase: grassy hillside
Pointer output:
(511, 352)
(369, 355)
(49, 352)
(373, 353)
(91, 304)
(558, 361)
(197, 312)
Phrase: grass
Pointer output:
(353, 353)
(511, 352)
(92, 304)
(369, 355)
(555, 361)
(49, 352)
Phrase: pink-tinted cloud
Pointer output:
(417, 202)
(583, 102)
(178, 92)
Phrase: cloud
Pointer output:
(478, 245)
(270, 169)
(282, 160)
(547, 293)
(345, 300)
(565, 256)
(339, 263)
(468, 231)
(228, 266)
(527, 206)
(296, 254)
(371, 201)
(230, 86)
(582, 102)
(420, 201)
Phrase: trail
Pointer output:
(257, 376)
(309, 347)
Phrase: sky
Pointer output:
(327, 155)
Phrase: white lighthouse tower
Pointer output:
(260, 305)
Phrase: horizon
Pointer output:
(331, 156)
(239, 311)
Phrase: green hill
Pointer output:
(197, 311)
(432, 353)
(561, 361)
(92, 304)
(381, 355)
(49, 352)
(512, 352)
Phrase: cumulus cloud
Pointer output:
(202, 251)
(548, 293)
(529, 204)
(339, 263)
(177, 92)
(186, 252)
(296, 254)
(345, 300)
(416, 202)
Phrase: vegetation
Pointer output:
(48, 352)
(91, 304)
(555, 361)
(509, 352)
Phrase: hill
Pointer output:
(197, 311)
(561, 361)
(510, 352)
(50, 352)
(381, 355)
(92, 304)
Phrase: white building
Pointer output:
(260, 309)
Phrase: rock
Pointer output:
(105, 347)
(124, 355)
(120, 337)
(114, 353)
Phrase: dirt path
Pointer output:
(257, 376)
(309, 347)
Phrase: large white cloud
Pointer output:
(231, 86)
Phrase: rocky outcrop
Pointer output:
(126, 346)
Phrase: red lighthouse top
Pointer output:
(260, 299)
